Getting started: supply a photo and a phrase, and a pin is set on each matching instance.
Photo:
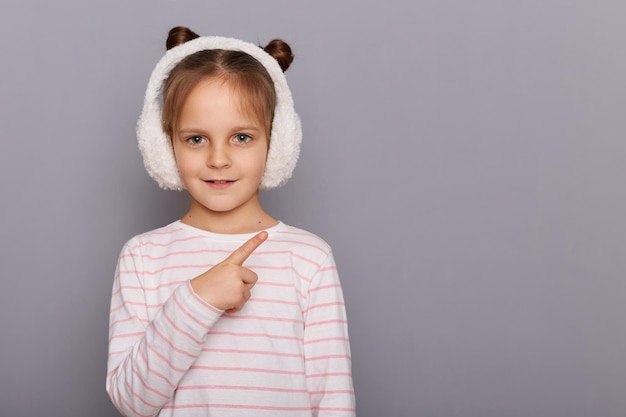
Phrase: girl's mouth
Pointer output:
(220, 184)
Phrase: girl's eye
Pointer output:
(196, 140)
(242, 138)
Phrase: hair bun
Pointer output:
(179, 35)
(281, 51)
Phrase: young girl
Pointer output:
(226, 312)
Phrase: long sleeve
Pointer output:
(326, 345)
(151, 347)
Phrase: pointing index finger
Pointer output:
(242, 253)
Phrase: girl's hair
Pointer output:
(243, 72)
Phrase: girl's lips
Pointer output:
(220, 184)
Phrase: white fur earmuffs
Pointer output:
(155, 145)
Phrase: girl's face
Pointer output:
(220, 152)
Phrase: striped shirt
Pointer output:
(286, 353)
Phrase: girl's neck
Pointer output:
(246, 219)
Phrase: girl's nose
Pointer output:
(218, 157)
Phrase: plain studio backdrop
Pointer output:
(465, 159)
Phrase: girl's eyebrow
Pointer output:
(247, 127)
(188, 130)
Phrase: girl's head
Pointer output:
(256, 76)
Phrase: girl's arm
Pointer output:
(147, 359)
(326, 346)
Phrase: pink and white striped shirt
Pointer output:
(286, 353)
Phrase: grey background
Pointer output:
(465, 159)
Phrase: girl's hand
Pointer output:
(227, 285)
